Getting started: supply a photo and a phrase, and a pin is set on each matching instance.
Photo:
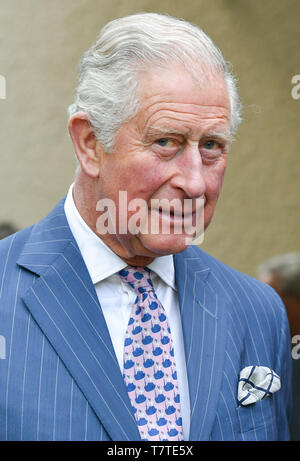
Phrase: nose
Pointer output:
(190, 176)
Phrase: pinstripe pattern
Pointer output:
(60, 379)
(240, 322)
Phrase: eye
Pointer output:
(166, 146)
(210, 145)
(211, 150)
(163, 142)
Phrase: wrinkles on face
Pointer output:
(188, 123)
(161, 153)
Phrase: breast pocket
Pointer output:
(257, 421)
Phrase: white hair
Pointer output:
(108, 73)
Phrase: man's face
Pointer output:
(174, 148)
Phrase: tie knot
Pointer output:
(138, 278)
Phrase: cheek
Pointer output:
(139, 178)
(145, 172)
(214, 183)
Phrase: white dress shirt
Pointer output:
(117, 298)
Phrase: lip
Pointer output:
(183, 219)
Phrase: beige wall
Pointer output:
(41, 43)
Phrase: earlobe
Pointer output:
(85, 143)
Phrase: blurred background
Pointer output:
(40, 47)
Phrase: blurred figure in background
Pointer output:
(7, 229)
(283, 274)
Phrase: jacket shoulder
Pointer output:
(14, 241)
(11, 247)
(243, 289)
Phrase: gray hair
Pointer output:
(108, 73)
(286, 268)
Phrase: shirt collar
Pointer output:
(99, 259)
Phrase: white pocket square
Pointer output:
(256, 383)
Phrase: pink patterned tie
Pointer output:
(149, 364)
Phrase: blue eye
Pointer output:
(166, 146)
(209, 145)
(163, 142)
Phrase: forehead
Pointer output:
(173, 96)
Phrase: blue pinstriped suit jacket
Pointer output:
(59, 377)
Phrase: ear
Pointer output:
(85, 144)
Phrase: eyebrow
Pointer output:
(155, 131)
(222, 136)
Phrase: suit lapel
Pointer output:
(203, 317)
(64, 303)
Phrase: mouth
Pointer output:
(183, 219)
(176, 215)
(182, 211)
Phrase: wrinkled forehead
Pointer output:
(177, 94)
(176, 84)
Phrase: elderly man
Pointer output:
(119, 330)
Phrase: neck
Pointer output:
(85, 199)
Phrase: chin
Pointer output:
(161, 245)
